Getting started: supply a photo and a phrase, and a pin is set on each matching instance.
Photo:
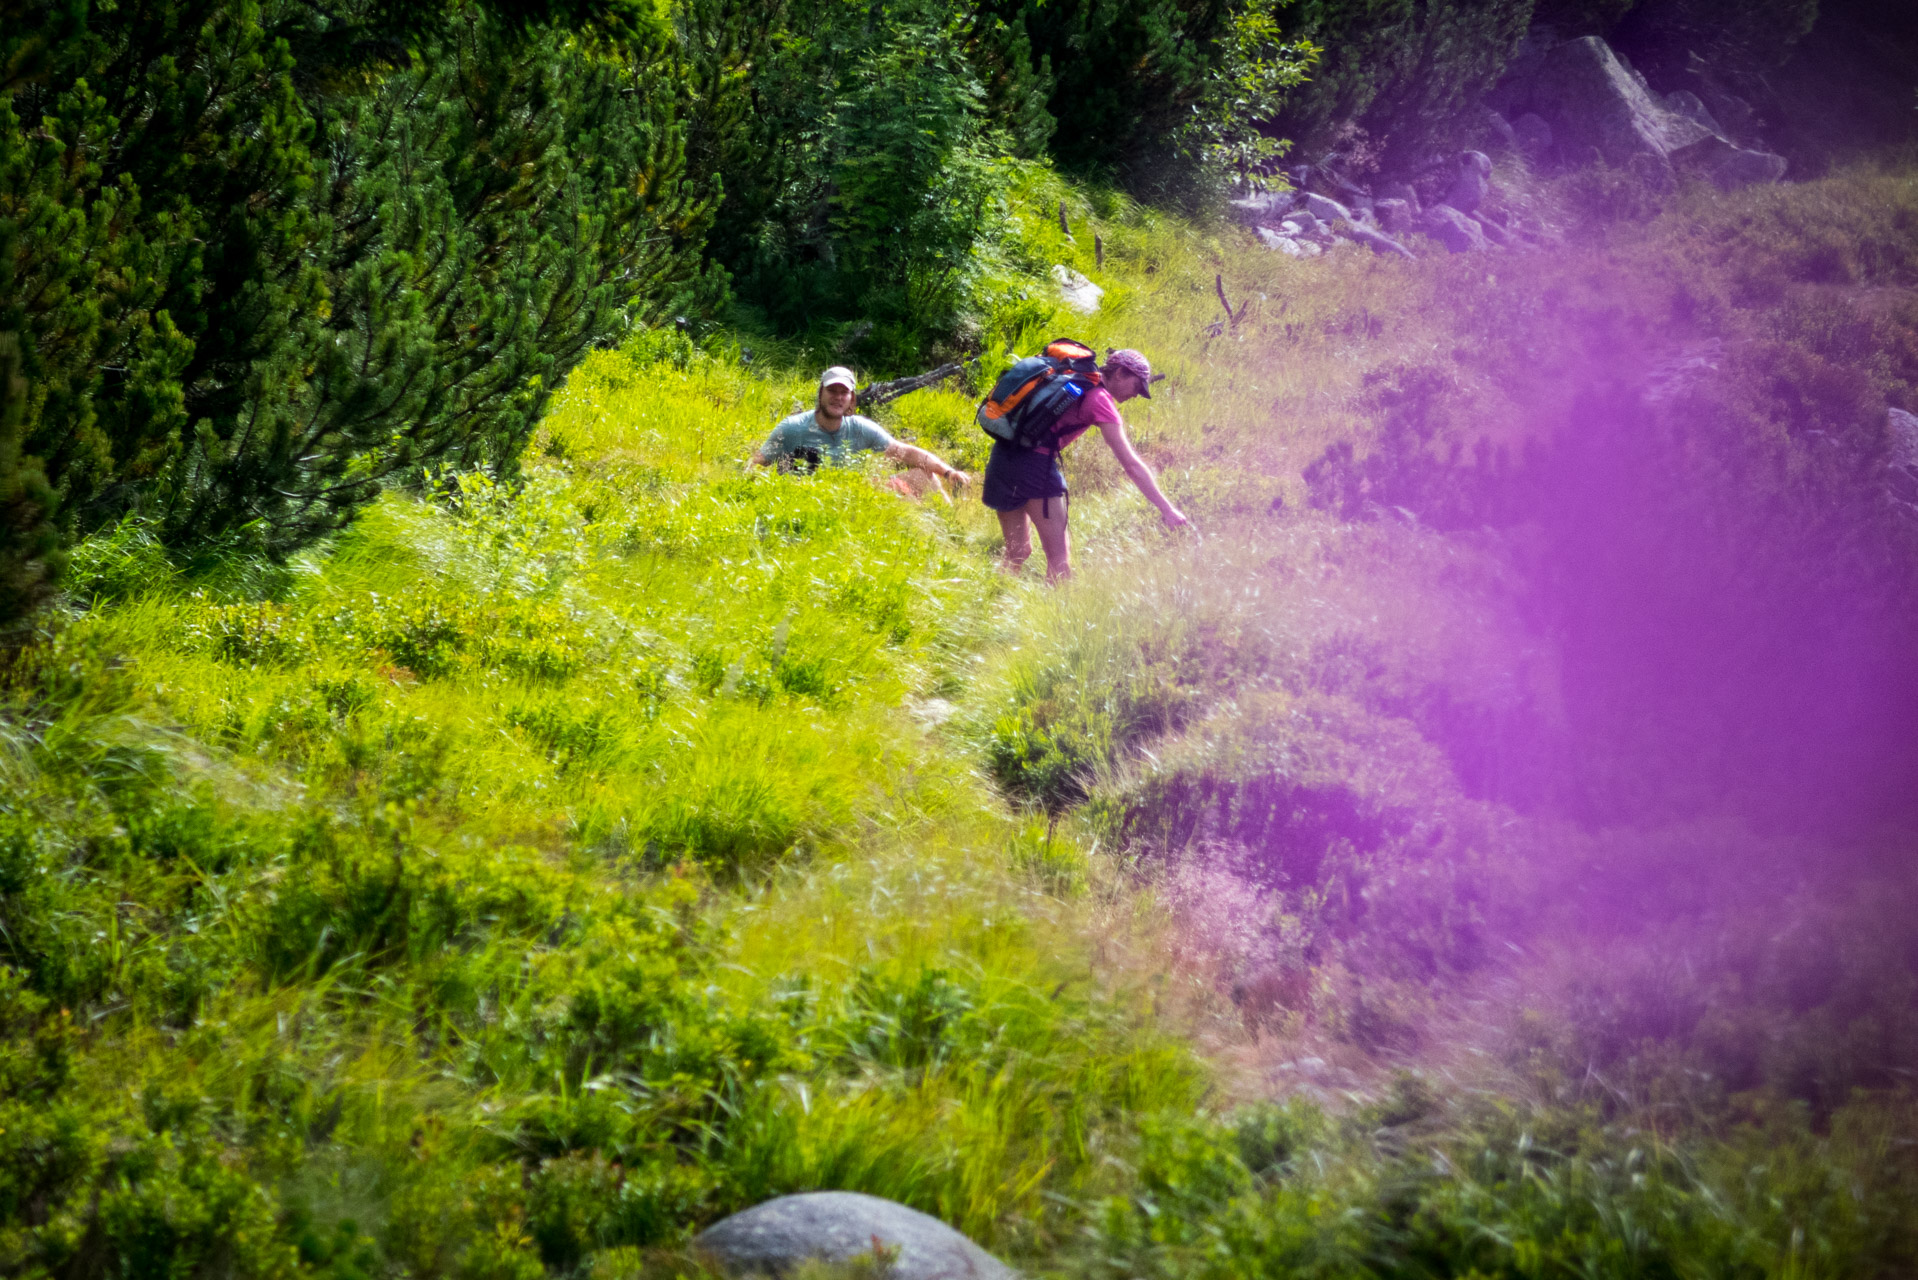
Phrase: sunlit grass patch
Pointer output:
(456, 888)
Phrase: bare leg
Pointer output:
(1049, 514)
(1018, 540)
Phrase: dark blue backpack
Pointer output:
(1029, 398)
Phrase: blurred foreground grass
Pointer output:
(532, 877)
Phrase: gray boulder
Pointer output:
(1902, 430)
(1729, 166)
(1497, 234)
(1737, 118)
(1377, 242)
(1404, 192)
(1264, 209)
(1325, 208)
(1534, 137)
(773, 1238)
(1079, 293)
(1901, 461)
(1473, 181)
(1290, 246)
(1352, 196)
(1298, 222)
(1453, 229)
(1683, 102)
(1395, 215)
(1499, 131)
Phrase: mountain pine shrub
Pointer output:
(1125, 80)
(858, 185)
(267, 259)
(29, 556)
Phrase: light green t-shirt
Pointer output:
(802, 436)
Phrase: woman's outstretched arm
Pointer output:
(1141, 474)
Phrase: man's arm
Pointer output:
(914, 456)
(774, 450)
(1141, 474)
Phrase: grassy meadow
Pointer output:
(1481, 847)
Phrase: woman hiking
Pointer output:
(832, 432)
(1026, 485)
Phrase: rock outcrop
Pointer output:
(1688, 104)
(1559, 102)
(774, 1238)
(1591, 102)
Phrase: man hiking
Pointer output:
(831, 432)
(1026, 486)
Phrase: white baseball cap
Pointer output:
(838, 376)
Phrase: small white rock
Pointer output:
(1080, 293)
(1287, 245)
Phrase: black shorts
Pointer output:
(1016, 476)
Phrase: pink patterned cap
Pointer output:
(1130, 361)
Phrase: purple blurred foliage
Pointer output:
(1732, 598)
(1709, 549)
(1702, 539)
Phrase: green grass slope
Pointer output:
(527, 879)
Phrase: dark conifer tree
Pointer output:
(1407, 73)
(269, 257)
(29, 545)
(1125, 75)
